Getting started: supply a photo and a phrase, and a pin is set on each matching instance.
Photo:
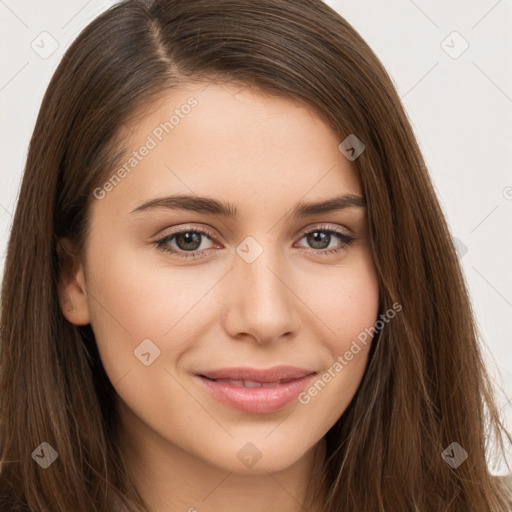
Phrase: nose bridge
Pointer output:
(262, 304)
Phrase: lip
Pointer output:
(264, 399)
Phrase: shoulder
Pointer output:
(505, 480)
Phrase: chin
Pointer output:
(259, 456)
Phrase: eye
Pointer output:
(186, 242)
(321, 237)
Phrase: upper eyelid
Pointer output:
(177, 231)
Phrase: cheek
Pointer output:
(349, 307)
(135, 298)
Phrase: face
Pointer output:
(221, 328)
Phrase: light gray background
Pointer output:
(460, 107)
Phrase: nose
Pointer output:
(261, 305)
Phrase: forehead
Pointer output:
(232, 142)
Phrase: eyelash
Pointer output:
(162, 244)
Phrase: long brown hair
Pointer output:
(425, 385)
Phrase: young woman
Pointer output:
(229, 283)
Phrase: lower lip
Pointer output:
(257, 400)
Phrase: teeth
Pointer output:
(249, 383)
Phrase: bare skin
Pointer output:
(294, 304)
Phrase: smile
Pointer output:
(256, 391)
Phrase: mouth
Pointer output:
(256, 391)
(251, 384)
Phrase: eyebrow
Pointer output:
(228, 210)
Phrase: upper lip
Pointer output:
(273, 374)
